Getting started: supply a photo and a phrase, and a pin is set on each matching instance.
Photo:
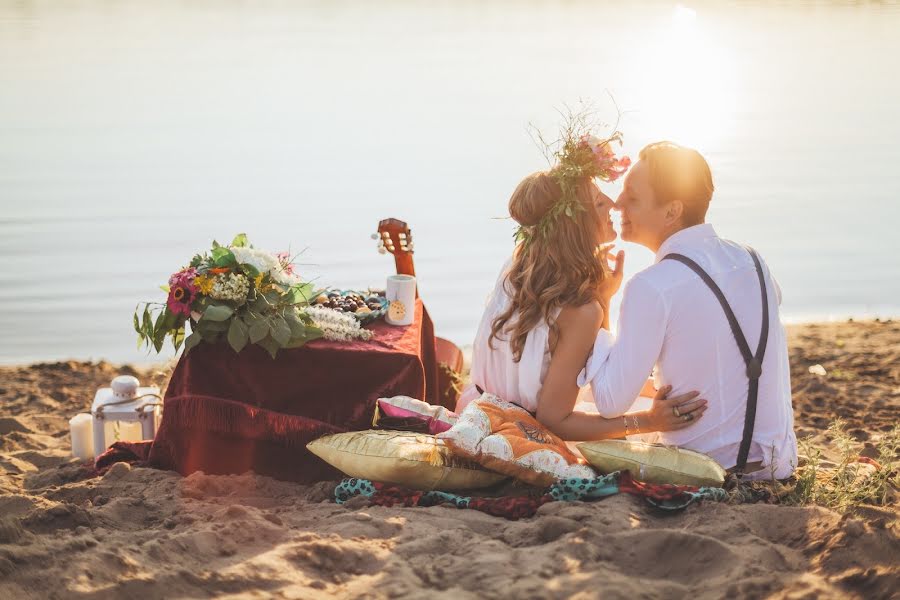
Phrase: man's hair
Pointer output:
(680, 174)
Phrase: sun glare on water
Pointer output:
(685, 83)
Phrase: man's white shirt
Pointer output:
(671, 320)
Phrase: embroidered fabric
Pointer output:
(664, 497)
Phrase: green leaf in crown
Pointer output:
(576, 154)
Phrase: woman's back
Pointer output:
(494, 369)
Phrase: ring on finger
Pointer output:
(675, 411)
(687, 417)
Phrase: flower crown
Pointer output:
(580, 155)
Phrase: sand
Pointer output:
(138, 532)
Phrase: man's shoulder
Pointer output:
(659, 277)
(715, 255)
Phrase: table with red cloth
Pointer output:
(228, 412)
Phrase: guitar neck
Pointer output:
(395, 236)
(403, 262)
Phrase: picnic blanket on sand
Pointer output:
(663, 496)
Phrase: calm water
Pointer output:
(133, 133)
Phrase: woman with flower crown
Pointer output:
(551, 298)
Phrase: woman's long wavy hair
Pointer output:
(550, 271)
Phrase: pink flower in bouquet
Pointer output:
(182, 291)
(285, 260)
(183, 276)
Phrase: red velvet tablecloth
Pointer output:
(226, 412)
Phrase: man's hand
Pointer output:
(670, 414)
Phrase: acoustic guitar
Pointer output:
(395, 237)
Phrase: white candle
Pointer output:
(81, 429)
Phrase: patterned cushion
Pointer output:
(435, 419)
(654, 463)
(414, 460)
(504, 437)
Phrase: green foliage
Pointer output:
(280, 330)
(238, 334)
(259, 329)
(573, 160)
(300, 294)
(846, 484)
(223, 257)
(153, 330)
(249, 270)
(267, 316)
(217, 312)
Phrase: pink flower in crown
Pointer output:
(285, 260)
(617, 168)
(182, 291)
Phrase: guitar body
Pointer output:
(395, 236)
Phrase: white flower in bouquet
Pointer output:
(266, 262)
(230, 286)
(282, 277)
(262, 261)
(336, 325)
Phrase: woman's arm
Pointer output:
(577, 328)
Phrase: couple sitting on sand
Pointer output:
(703, 318)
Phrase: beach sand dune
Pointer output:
(137, 532)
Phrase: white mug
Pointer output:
(401, 296)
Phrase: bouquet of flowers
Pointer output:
(237, 293)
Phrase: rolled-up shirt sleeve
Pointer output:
(618, 367)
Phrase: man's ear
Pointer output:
(674, 211)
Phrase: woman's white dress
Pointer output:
(493, 367)
(495, 371)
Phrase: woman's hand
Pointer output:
(669, 414)
(614, 274)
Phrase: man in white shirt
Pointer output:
(671, 319)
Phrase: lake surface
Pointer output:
(133, 133)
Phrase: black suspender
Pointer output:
(752, 361)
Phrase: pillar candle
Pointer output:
(81, 431)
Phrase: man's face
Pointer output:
(643, 219)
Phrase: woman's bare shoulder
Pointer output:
(579, 318)
(578, 326)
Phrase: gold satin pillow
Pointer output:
(414, 460)
(654, 463)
